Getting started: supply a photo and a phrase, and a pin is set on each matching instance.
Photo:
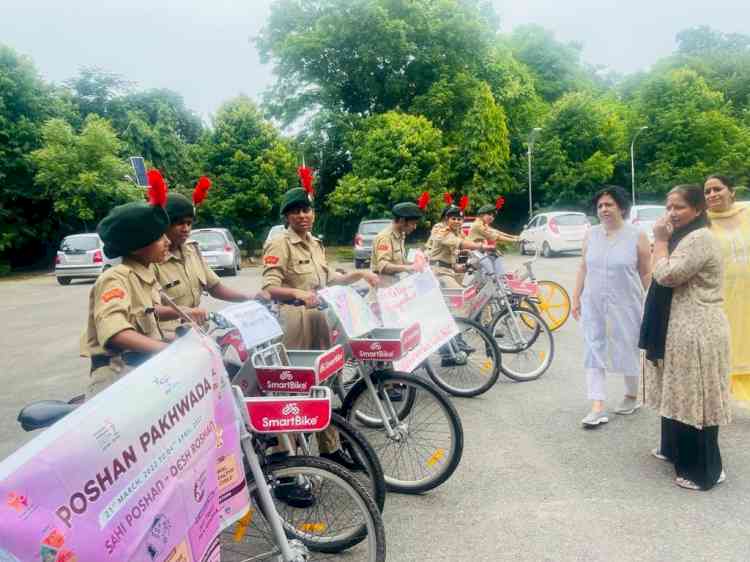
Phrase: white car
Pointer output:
(550, 233)
(81, 256)
(644, 217)
(219, 249)
(276, 230)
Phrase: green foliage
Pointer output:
(81, 173)
(251, 167)
(395, 157)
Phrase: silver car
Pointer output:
(366, 233)
(81, 256)
(219, 249)
(644, 217)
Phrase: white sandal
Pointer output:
(656, 453)
(690, 485)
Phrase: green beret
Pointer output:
(179, 207)
(485, 209)
(130, 227)
(452, 211)
(407, 210)
(296, 197)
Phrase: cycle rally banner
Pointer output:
(149, 470)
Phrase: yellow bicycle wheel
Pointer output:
(554, 304)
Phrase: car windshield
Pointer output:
(570, 220)
(209, 240)
(650, 213)
(74, 244)
(372, 227)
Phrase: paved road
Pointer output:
(532, 486)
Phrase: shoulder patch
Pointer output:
(116, 293)
(271, 260)
(383, 247)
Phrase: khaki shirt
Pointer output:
(443, 244)
(123, 298)
(480, 232)
(297, 263)
(388, 247)
(186, 265)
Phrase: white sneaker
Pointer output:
(594, 419)
(627, 406)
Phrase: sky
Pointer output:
(203, 50)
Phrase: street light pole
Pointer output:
(532, 135)
(632, 159)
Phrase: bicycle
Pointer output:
(494, 300)
(294, 534)
(550, 296)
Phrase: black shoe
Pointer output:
(463, 346)
(341, 458)
(395, 394)
(293, 494)
(453, 361)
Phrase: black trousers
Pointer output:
(694, 452)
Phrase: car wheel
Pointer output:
(232, 271)
(547, 251)
(64, 280)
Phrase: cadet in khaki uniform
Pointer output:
(481, 231)
(294, 267)
(185, 264)
(388, 257)
(124, 303)
(446, 239)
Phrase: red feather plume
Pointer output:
(201, 190)
(423, 200)
(157, 189)
(306, 178)
(448, 198)
(463, 202)
(499, 202)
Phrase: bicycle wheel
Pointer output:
(527, 342)
(426, 444)
(480, 371)
(554, 304)
(360, 451)
(343, 517)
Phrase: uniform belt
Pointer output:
(130, 358)
(441, 263)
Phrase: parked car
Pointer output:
(550, 233)
(219, 249)
(644, 217)
(276, 230)
(81, 256)
(366, 233)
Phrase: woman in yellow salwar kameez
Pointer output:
(730, 223)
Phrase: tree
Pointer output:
(691, 132)
(368, 56)
(395, 157)
(251, 168)
(96, 90)
(25, 103)
(81, 173)
(556, 66)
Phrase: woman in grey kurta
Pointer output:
(686, 337)
(608, 299)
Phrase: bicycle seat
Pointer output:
(43, 413)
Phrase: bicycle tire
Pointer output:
(487, 367)
(245, 537)
(541, 334)
(445, 457)
(546, 290)
(359, 449)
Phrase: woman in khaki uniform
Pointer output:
(388, 257)
(446, 239)
(184, 274)
(294, 268)
(481, 230)
(124, 303)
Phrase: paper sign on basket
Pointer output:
(255, 323)
(418, 299)
(354, 314)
